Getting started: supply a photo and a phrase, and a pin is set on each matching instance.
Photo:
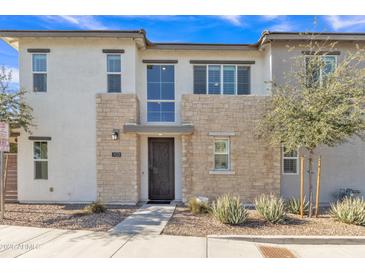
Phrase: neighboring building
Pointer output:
(122, 119)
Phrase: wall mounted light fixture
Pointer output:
(115, 134)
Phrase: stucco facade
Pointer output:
(78, 116)
(343, 166)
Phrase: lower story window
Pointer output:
(40, 158)
(221, 154)
(290, 162)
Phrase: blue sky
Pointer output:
(208, 29)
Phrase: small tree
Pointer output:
(13, 108)
(317, 105)
(13, 111)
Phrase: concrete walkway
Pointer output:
(50, 243)
(148, 220)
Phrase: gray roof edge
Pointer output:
(268, 36)
(200, 46)
(73, 33)
(265, 37)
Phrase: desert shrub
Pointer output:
(271, 208)
(197, 206)
(228, 210)
(293, 205)
(95, 207)
(349, 211)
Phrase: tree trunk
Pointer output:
(310, 186)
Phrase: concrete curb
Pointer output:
(293, 239)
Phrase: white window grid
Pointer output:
(114, 73)
(228, 153)
(296, 158)
(222, 78)
(39, 159)
(40, 72)
(320, 71)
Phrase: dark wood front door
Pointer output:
(161, 169)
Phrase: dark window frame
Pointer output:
(162, 102)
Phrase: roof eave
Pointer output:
(197, 46)
(12, 37)
(14, 43)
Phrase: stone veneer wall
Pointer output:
(117, 178)
(254, 164)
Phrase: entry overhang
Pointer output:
(145, 129)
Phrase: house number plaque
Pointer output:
(117, 154)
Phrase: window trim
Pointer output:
(113, 73)
(40, 160)
(320, 71)
(289, 158)
(221, 79)
(40, 72)
(228, 154)
(161, 101)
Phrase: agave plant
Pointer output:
(293, 205)
(271, 208)
(228, 210)
(349, 211)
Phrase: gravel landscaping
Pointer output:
(185, 223)
(64, 216)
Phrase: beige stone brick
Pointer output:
(256, 164)
(117, 178)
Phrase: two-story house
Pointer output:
(122, 119)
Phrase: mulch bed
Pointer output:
(185, 223)
(64, 216)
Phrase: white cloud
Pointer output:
(283, 26)
(348, 23)
(82, 22)
(270, 17)
(233, 19)
(279, 23)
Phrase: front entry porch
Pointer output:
(161, 169)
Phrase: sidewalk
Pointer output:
(49, 243)
(148, 220)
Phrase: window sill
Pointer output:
(221, 172)
(290, 174)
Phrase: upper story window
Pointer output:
(290, 161)
(40, 158)
(160, 93)
(222, 79)
(114, 72)
(317, 72)
(39, 68)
